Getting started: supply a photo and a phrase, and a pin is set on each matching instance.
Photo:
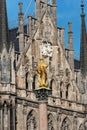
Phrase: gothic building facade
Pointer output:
(66, 105)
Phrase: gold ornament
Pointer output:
(41, 69)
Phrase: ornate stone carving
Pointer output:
(42, 94)
(31, 121)
(75, 123)
(50, 122)
(66, 112)
(46, 49)
(66, 125)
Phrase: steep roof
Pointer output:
(13, 37)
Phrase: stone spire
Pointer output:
(83, 46)
(70, 44)
(3, 26)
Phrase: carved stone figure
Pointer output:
(46, 49)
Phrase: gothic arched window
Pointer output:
(26, 80)
(68, 90)
(50, 122)
(34, 82)
(61, 89)
(4, 68)
(59, 57)
(85, 125)
(81, 127)
(53, 87)
(31, 121)
(66, 124)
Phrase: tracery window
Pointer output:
(81, 127)
(61, 89)
(34, 82)
(26, 80)
(53, 87)
(66, 125)
(67, 91)
(31, 121)
(50, 122)
(4, 69)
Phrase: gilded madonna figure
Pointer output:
(42, 74)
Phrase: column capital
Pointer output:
(42, 93)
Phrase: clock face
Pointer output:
(46, 49)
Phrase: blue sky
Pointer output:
(67, 11)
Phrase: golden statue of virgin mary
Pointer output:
(41, 69)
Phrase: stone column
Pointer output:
(43, 115)
(42, 95)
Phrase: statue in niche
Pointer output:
(41, 69)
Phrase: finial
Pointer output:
(70, 26)
(82, 6)
(20, 7)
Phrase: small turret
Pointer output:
(21, 28)
(70, 44)
(83, 44)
